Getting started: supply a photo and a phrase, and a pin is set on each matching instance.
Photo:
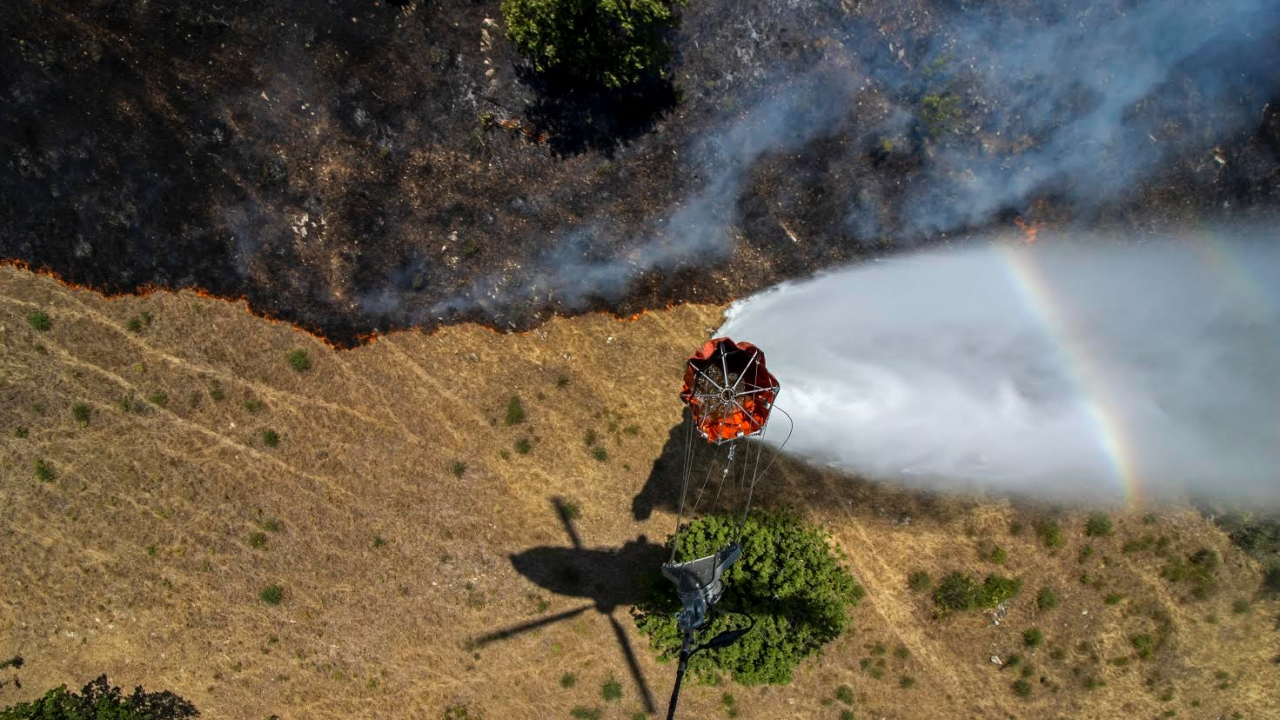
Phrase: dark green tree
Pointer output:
(99, 700)
(789, 578)
(610, 42)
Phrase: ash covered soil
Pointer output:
(357, 166)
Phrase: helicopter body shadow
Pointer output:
(609, 577)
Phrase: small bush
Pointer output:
(998, 555)
(1144, 644)
(590, 438)
(844, 694)
(997, 589)
(572, 510)
(216, 392)
(611, 691)
(44, 471)
(298, 360)
(515, 411)
(270, 438)
(254, 405)
(271, 594)
(846, 715)
(20, 432)
(379, 541)
(599, 453)
(524, 446)
(1113, 599)
(562, 381)
(919, 581)
(1047, 599)
(272, 525)
(80, 412)
(906, 682)
(458, 468)
(258, 540)
(568, 680)
(585, 713)
(158, 399)
(956, 592)
(39, 321)
(1098, 525)
(1022, 688)
(1085, 553)
(1240, 606)
(1032, 637)
(1200, 569)
(1050, 534)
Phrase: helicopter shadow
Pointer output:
(609, 577)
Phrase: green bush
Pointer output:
(1046, 599)
(38, 321)
(515, 411)
(959, 591)
(611, 690)
(44, 471)
(298, 360)
(1144, 644)
(844, 694)
(788, 578)
(613, 43)
(1022, 688)
(1032, 637)
(271, 594)
(1200, 569)
(1050, 534)
(919, 581)
(270, 438)
(568, 680)
(99, 700)
(458, 468)
(1098, 525)
(80, 413)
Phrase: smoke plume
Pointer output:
(1087, 370)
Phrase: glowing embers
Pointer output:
(729, 390)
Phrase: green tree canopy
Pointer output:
(610, 42)
(789, 578)
(99, 700)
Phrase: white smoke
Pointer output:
(1072, 371)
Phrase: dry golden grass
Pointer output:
(136, 559)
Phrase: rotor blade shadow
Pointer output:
(531, 625)
(566, 519)
(633, 663)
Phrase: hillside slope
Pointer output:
(168, 513)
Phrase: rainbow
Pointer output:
(1081, 367)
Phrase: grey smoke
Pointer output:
(1097, 96)
(950, 369)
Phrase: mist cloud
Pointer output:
(1090, 371)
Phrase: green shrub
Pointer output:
(939, 113)
(1085, 553)
(1032, 637)
(585, 713)
(1022, 688)
(44, 471)
(271, 594)
(80, 413)
(270, 438)
(1050, 534)
(789, 579)
(298, 360)
(613, 43)
(216, 392)
(906, 682)
(21, 432)
(846, 714)
(590, 438)
(1113, 599)
(1200, 569)
(844, 694)
(599, 453)
(568, 680)
(959, 591)
(919, 581)
(379, 541)
(1239, 606)
(611, 690)
(158, 399)
(524, 446)
(562, 381)
(99, 700)
(1144, 644)
(998, 555)
(38, 321)
(1047, 599)
(458, 468)
(254, 405)
(515, 411)
(1098, 525)
(257, 540)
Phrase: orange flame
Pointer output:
(1030, 230)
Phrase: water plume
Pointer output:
(1082, 369)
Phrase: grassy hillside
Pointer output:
(186, 505)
